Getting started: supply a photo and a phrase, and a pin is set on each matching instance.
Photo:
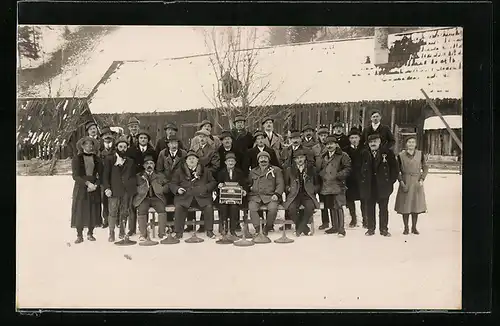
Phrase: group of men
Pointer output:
(338, 169)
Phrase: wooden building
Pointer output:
(316, 83)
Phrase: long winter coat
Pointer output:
(333, 172)
(120, 180)
(85, 206)
(166, 165)
(385, 133)
(139, 156)
(292, 184)
(199, 188)
(209, 158)
(353, 181)
(413, 168)
(383, 168)
(263, 185)
(275, 143)
(242, 139)
(159, 183)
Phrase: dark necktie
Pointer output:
(150, 185)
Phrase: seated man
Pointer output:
(192, 185)
(301, 186)
(150, 188)
(266, 188)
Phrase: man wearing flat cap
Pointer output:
(242, 138)
(338, 132)
(379, 172)
(211, 140)
(170, 131)
(266, 188)
(333, 170)
(301, 187)
(376, 127)
(228, 146)
(272, 139)
(319, 149)
(260, 146)
(107, 148)
(119, 185)
(193, 185)
(151, 187)
(133, 128)
(308, 140)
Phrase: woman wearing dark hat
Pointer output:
(86, 203)
(410, 198)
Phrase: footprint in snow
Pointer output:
(127, 256)
(68, 244)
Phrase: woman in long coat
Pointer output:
(411, 196)
(86, 203)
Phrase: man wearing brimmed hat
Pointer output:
(272, 139)
(353, 181)
(242, 138)
(308, 140)
(170, 131)
(228, 146)
(318, 150)
(169, 160)
(209, 157)
(383, 131)
(91, 129)
(379, 172)
(266, 188)
(334, 167)
(119, 185)
(133, 128)
(211, 140)
(151, 187)
(193, 185)
(260, 146)
(107, 148)
(86, 199)
(295, 145)
(231, 173)
(338, 132)
(301, 187)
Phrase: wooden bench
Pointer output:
(246, 220)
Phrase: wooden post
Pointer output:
(393, 115)
(438, 113)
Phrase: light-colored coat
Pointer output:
(276, 143)
(333, 171)
(214, 143)
(265, 184)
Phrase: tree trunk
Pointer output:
(53, 161)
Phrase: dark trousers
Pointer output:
(325, 218)
(181, 213)
(119, 207)
(382, 211)
(229, 213)
(105, 207)
(336, 211)
(132, 217)
(351, 206)
(79, 231)
(301, 217)
(143, 213)
(170, 201)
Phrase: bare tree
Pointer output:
(240, 88)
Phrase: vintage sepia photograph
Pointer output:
(239, 167)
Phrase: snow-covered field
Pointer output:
(322, 271)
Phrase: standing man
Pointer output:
(296, 144)
(308, 140)
(143, 149)
(384, 132)
(226, 147)
(107, 148)
(353, 181)
(272, 139)
(169, 160)
(260, 146)
(243, 139)
(119, 185)
(91, 129)
(193, 185)
(338, 132)
(319, 149)
(379, 171)
(266, 188)
(170, 131)
(133, 128)
(211, 140)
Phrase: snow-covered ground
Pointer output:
(322, 271)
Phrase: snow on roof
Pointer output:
(433, 123)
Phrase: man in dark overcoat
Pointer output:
(119, 185)
(193, 185)
(318, 150)
(228, 146)
(151, 187)
(296, 144)
(301, 187)
(308, 140)
(379, 171)
(170, 132)
(260, 146)
(243, 139)
(376, 127)
(133, 152)
(107, 147)
(353, 181)
(338, 132)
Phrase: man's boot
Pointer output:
(340, 222)
(414, 218)
(405, 222)
(111, 223)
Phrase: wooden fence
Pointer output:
(43, 152)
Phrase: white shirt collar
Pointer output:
(375, 126)
(143, 147)
(294, 147)
(173, 153)
(269, 133)
(261, 148)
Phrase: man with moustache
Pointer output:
(193, 185)
(91, 129)
(226, 147)
(107, 148)
(243, 139)
(169, 160)
(170, 132)
(308, 140)
(260, 146)
(353, 181)
(318, 150)
(379, 172)
(151, 187)
(272, 139)
(266, 188)
(119, 185)
(384, 132)
(212, 141)
(133, 128)
(338, 132)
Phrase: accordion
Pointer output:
(231, 194)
